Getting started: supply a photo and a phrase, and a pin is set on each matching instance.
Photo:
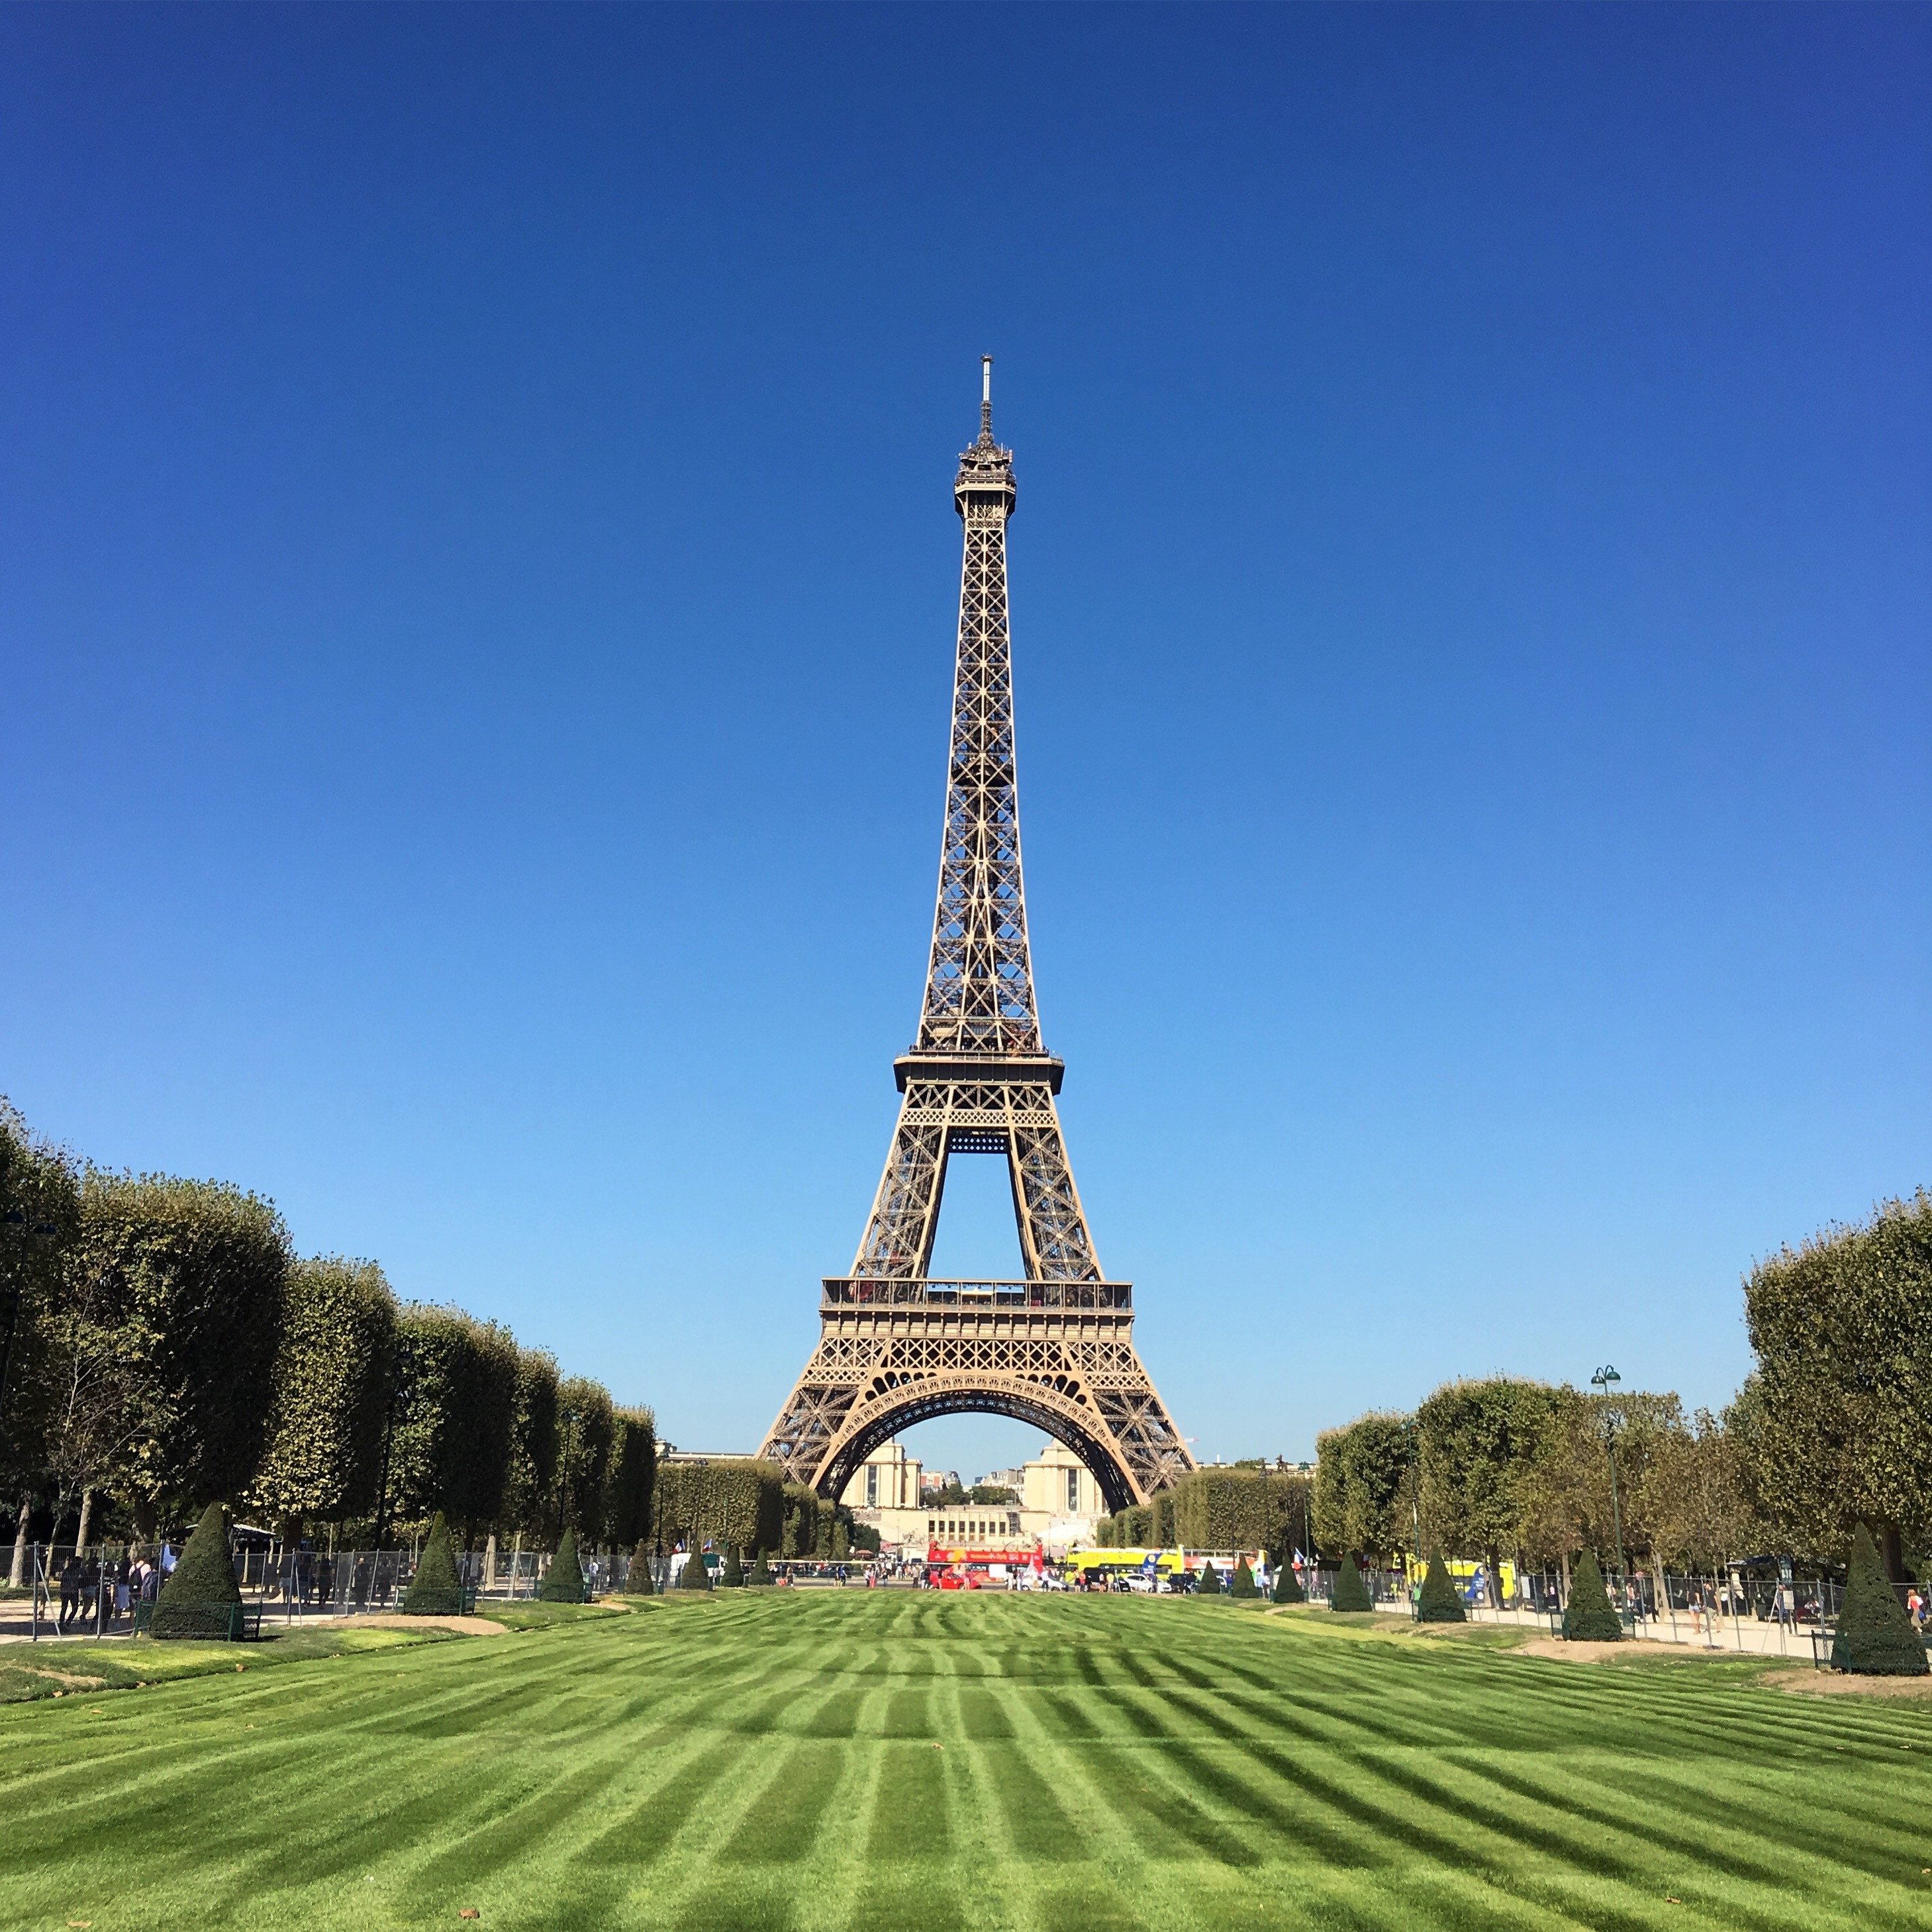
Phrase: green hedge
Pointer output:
(1589, 1618)
(435, 1590)
(1875, 1637)
(1351, 1593)
(737, 1499)
(199, 1598)
(1439, 1601)
(563, 1581)
(1238, 1509)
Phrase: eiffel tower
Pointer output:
(896, 1347)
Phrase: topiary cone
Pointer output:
(637, 1578)
(1287, 1585)
(1589, 1618)
(1351, 1593)
(1439, 1602)
(1243, 1585)
(563, 1581)
(199, 1598)
(693, 1576)
(1207, 1584)
(1875, 1636)
(761, 1571)
(435, 1590)
(733, 1575)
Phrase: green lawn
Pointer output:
(863, 1759)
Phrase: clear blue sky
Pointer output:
(477, 581)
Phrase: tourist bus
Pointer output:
(1155, 1568)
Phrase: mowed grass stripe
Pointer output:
(767, 1759)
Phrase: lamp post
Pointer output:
(1409, 1434)
(1603, 1381)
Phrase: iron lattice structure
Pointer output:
(896, 1347)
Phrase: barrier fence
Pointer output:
(94, 1591)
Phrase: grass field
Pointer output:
(887, 1759)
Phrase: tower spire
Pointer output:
(985, 399)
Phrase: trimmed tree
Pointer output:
(529, 1491)
(1875, 1636)
(637, 1578)
(455, 1406)
(1243, 1585)
(1841, 1403)
(733, 1575)
(1287, 1585)
(633, 1478)
(333, 1367)
(1207, 1584)
(693, 1576)
(199, 1598)
(167, 1322)
(1439, 1604)
(589, 1436)
(563, 1581)
(761, 1570)
(1351, 1593)
(1589, 1618)
(435, 1590)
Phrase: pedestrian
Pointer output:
(70, 1576)
(123, 1593)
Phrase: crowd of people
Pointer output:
(103, 1593)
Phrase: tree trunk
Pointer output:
(1494, 1557)
(1566, 1579)
(86, 1518)
(17, 1576)
(490, 1562)
(1890, 1548)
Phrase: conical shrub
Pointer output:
(199, 1598)
(1206, 1583)
(1875, 1636)
(1439, 1602)
(1243, 1585)
(1287, 1585)
(1351, 1593)
(637, 1578)
(732, 1577)
(693, 1576)
(761, 1571)
(841, 1543)
(563, 1581)
(435, 1590)
(1589, 1618)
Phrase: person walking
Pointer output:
(70, 1575)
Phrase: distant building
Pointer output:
(1060, 1503)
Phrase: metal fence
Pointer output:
(95, 1590)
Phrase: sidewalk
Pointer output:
(1745, 1637)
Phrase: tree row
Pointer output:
(166, 1348)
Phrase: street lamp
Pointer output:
(1410, 1433)
(1603, 1381)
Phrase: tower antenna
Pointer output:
(985, 395)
